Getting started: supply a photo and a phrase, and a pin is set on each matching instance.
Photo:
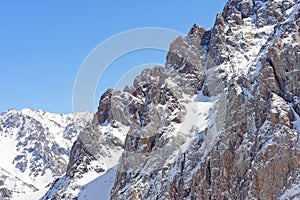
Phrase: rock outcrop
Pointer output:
(96, 151)
(219, 121)
(249, 65)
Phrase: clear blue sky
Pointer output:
(43, 43)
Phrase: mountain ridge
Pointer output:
(250, 129)
(221, 119)
(36, 145)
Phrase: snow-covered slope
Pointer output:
(100, 187)
(35, 148)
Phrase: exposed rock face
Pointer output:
(249, 149)
(219, 121)
(5, 193)
(104, 107)
(217, 44)
(297, 108)
(95, 151)
(188, 57)
(284, 58)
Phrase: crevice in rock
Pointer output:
(208, 173)
(276, 78)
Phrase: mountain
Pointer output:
(35, 148)
(242, 143)
(221, 120)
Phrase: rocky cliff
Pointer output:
(219, 121)
(248, 65)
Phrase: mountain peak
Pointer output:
(221, 120)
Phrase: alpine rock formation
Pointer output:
(222, 117)
(221, 120)
(35, 147)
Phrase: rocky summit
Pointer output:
(222, 115)
(221, 119)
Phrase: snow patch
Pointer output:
(100, 187)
